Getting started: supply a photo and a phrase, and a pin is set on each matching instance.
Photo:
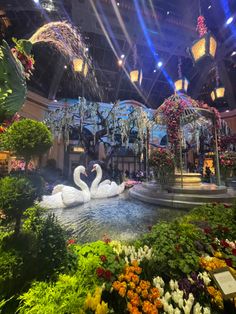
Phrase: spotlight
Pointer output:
(233, 53)
(55, 100)
(36, 1)
(159, 64)
(118, 3)
(168, 12)
(209, 7)
(86, 49)
(154, 71)
(230, 20)
(120, 62)
(122, 56)
(226, 110)
(65, 66)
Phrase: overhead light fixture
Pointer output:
(209, 7)
(136, 76)
(160, 64)
(168, 12)
(55, 100)
(229, 20)
(206, 45)
(120, 62)
(217, 93)
(36, 1)
(80, 66)
(122, 56)
(233, 53)
(86, 49)
(118, 3)
(181, 85)
(226, 110)
(65, 66)
(154, 70)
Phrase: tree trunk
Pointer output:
(17, 225)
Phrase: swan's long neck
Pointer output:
(80, 183)
(98, 178)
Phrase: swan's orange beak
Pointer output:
(85, 173)
(94, 168)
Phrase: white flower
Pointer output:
(205, 277)
(167, 296)
(172, 285)
(206, 310)
(177, 311)
(181, 303)
(197, 309)
(170, 309)
(158, 281)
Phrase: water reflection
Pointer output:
(121, 218)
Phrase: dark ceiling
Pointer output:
(169, 25)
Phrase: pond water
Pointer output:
(119, 218)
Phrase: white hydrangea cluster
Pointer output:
(130, 252)
(176, 297)
(205, 277)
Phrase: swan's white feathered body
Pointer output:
(105, 188)
(67, 196)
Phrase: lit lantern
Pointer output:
(217, 93)
(136, 76)
(80, 66)
(205, 46)
(181, 85)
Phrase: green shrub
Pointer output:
(27, 138)
(16, 195)
(52, 254)
(214, 215)
(176, 249)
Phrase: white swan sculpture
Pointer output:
(66, 196)
(105, 188)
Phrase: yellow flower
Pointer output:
(102, 308)
(217, 254)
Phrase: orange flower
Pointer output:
(130, 294)
(128, 277)
(122, 291)
(135, 301)
(158, 303)
(138, 290)
(132, 285)
(149, 308)
(116, 285)
(138, 270)
(144, 284)
(144, 294)
(155, 293)
(135, 263)
(135, 279)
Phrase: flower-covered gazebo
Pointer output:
(184, 116)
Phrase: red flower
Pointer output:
(228, 262)
(227, 206)
(224, 243)
(103, 258)
(207, 230)
(106, 239)
(107, 275)
(100, 272)
(71, 241)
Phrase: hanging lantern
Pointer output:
(206, 45)
(80, 66)
(136, 76)
(181, 85)
(217, 93)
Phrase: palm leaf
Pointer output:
(12, 82)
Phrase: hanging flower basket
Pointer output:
(162, 162)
